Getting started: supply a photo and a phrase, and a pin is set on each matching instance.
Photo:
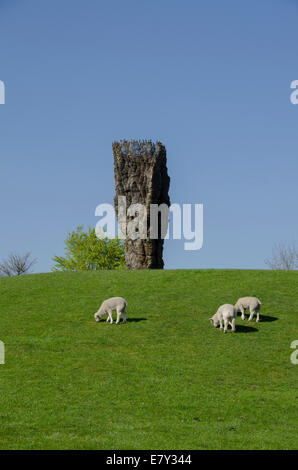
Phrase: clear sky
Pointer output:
(209, 78)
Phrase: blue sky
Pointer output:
(210, 79)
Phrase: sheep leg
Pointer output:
(242, 313)
(251, 314)
(124, 316)
(220, 324)
(226, 326)
(233, 324)
(118, 316)
(258, 314)
(110, 316)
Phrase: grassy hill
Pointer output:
(166, 379)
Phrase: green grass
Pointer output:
(166, 379)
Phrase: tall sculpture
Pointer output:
(141, 176)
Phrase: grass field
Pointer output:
(166, 379)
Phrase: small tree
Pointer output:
(84, 251)
(16, 265)
(284, 257)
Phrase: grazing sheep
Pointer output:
(225, 314)
(114, 303)
(254, 305)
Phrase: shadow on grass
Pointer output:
(245, 329)
(267, 318)
(135, 319)
(263, 318)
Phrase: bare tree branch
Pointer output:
(284, 257)
(16, 265)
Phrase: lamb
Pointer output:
(226, 313)
(254, 305)
(114, 303)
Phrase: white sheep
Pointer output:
(225, 314)
(254, 305)
(114, 303)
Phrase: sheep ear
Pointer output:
(211, 320)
